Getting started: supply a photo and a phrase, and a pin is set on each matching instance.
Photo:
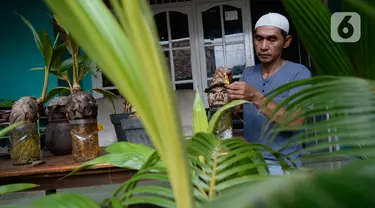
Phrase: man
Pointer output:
(270, 38)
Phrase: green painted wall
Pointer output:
(18, 51)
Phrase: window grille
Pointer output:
(157, 2)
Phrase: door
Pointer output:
(175, 28)
(224, 39)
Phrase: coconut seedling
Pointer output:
(25, 141)
(81, 107)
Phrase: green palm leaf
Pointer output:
(329, 57)
(65, 200)
(121, 154)
(360, 52)
(9, 128)
(214, 121)
(219, 165)
(38, 39)
(199, 114)
(55, 91)
(125, 58)
(16, 187)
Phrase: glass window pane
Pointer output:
(233, 27)
(236, 58)
(106, 82)
(179, 29)
(185, 86)
(212, 26)
(182, 65)
(214, 59)
(161, 24)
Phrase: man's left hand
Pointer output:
(242, 91)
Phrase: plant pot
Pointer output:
(25, 144)
(116, 121)
(85, 142)
(58, 138)
(135, 132)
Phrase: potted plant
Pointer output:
(116, 120)
(25, 144)
(208, 172)
(133, 129)
(80, 106)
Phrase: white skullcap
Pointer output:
(273, 19)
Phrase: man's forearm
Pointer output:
(279, 117)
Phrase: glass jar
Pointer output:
(85, 142)
(224, 127)
(25, 144)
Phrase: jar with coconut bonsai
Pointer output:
(82, 112)
(25, 144)
(85, 142)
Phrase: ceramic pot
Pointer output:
(58, 138)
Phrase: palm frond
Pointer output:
(329, 57)
(219, 165)
(325, 189)
(360, 52)
(9, 128)
(122, 154)
(125, 58)
(351, 112)
(199, 114)
(10, 188)
(55, 91)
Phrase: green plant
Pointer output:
(6, 103)
(81, 66)
(26, 108)
(192, 168)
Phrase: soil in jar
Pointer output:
(85, 144)
(25, 145)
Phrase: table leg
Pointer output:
(50, 191)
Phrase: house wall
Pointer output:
(18, 51)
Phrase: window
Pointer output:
(174, 33)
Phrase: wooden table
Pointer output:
(48, 175)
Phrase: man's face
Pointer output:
(269, 43)
(217, 97)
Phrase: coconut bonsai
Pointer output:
(27, 109)
(81, 107)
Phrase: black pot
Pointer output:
(58, 138)
(116, 121)
(135, 132)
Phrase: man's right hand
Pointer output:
(220, 72)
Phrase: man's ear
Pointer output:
(288, 40)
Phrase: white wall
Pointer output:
(107, 136)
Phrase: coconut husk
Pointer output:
(81, 105)
(24, 109)
(217, 82)
(56, 108)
